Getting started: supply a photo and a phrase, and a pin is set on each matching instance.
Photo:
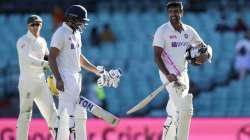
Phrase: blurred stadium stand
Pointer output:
(219, 94)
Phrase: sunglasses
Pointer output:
(35, 24)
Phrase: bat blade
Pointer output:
(146, 100)
(98, 111)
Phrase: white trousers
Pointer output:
(174, 97)
(34, 90)
(179, 110)
(68, 98)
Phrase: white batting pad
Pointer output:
(184, 117)
(169, 130)
(80, 123)
(63, 129)
(23, 126)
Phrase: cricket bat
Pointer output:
(147, 100)
(98, 111)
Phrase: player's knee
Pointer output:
(24, 117)
(170, 121)
(186, 109)
(53, 119)
(80, 113)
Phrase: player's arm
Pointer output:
(23, 52)
(88, 66)
(158, 60)
(158, 43)
(54, 52)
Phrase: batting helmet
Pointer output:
(76, 15)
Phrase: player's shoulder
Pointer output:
(242, 42)
(59, 33)
(188, 27)
(164, 26)
(42, 39)
(22, 39)
(59, 30)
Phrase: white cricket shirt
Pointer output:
(242, 61)
(69, 45)
(31, 52)
(175, 44)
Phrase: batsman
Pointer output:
(66, 61)
(175, 45)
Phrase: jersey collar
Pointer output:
(172, 28)
(31, 36)
(67, 27)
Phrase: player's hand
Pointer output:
(171, 77)
(179, 86)
(201, 45)
(115, 75)
(100, 70)
(103, 80)
(202, 58)
(60, 84)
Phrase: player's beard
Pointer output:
(175, 19)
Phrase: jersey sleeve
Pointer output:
(22, 48)
(158, 38)
(57, 40)
(46, 47)
(195, 39)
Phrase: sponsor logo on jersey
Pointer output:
(179, 44)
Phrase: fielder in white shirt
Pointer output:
(32, 52)
(242, 58)
(172, 45)
(66, 60)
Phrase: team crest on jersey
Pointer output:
(186, 35)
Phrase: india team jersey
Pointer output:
(175, 44)
(31, 52)
(69, 45)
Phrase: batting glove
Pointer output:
(115, 75)
(103, 80)
(178, 86)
